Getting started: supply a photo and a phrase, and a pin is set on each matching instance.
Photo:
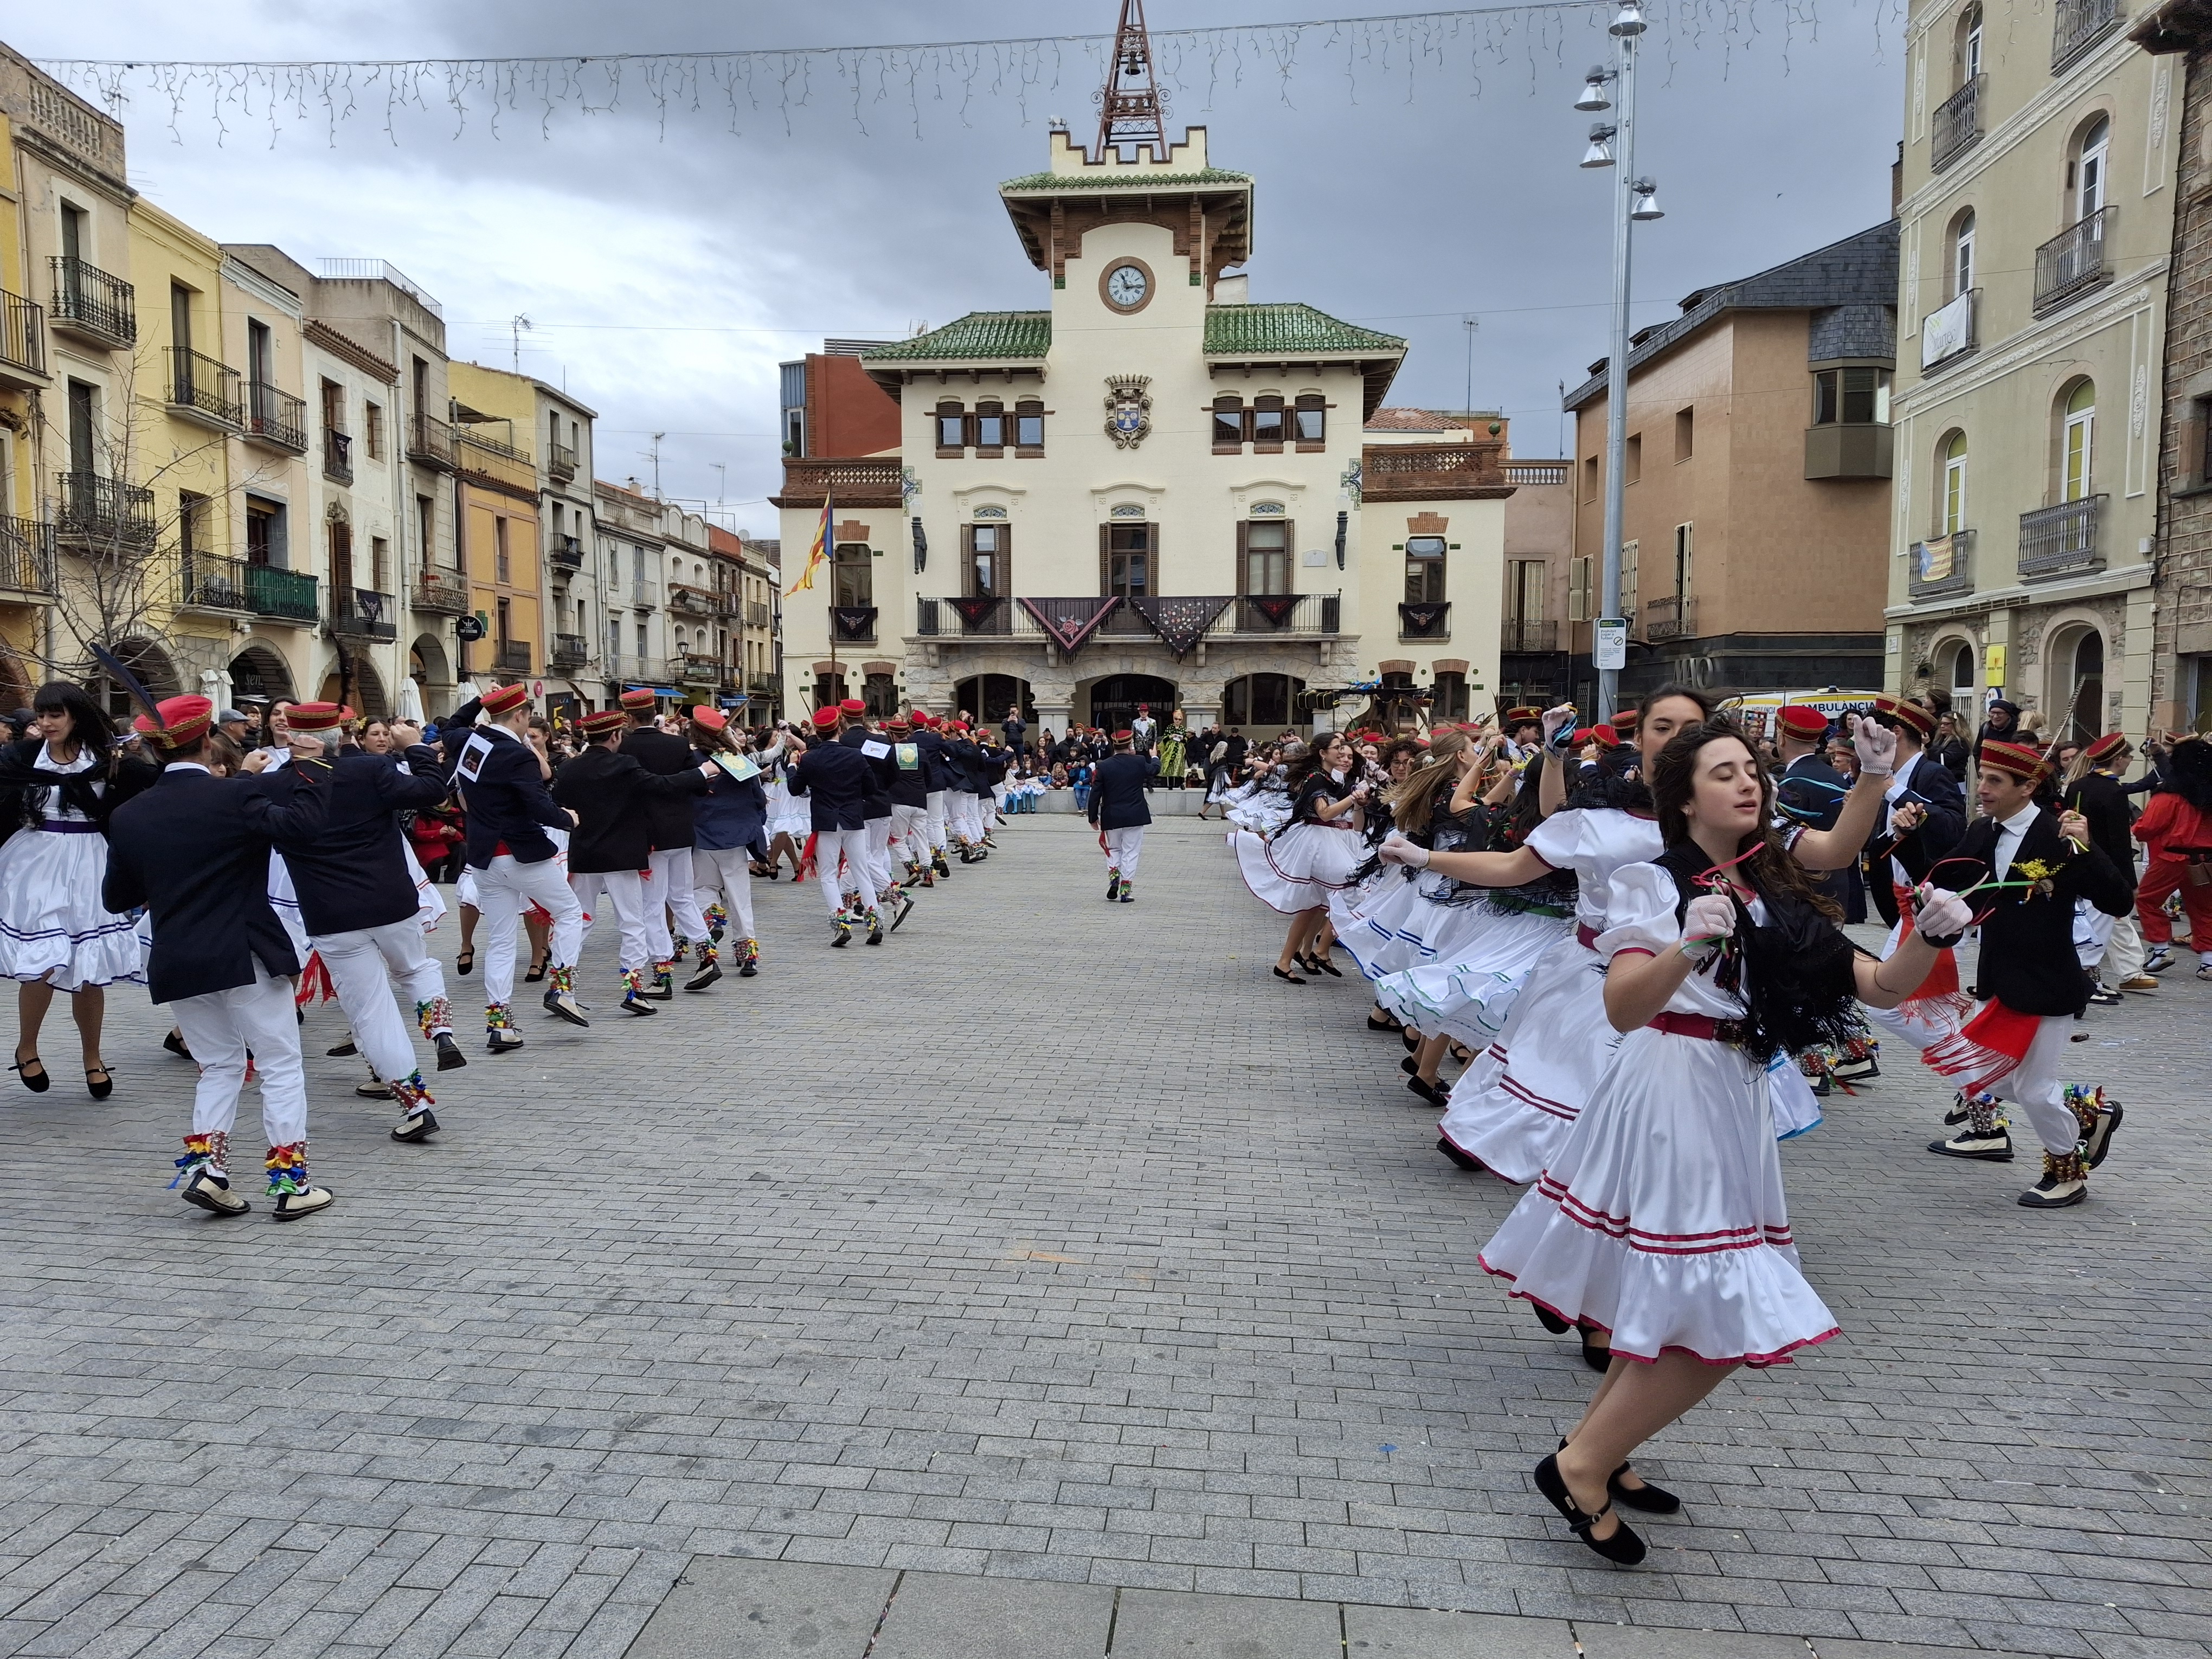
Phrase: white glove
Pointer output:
(1942, 914)
(1877, 749)
(1396, 849)
(1556, 718)
(1706, 920)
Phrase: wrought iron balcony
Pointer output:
(1943, 568)
(360, 613)
(690, 601)
(281, 595)
(439, 592)
(337, 456)
(209, 582)
(852, 625)
(1265, 614)
(99, 514)
(1670, 616)
(570, 651)
(204, 390)
(1957, 127)
(276, 418)
(561, 461)
(2078, 25)
(2073, 262)
(94, 305)
(2062, 540)
(430, 442)
(27, 557)
(698, 668)
(565, 553)
(1425, 622)
(1517, 635)
(23, 341)
(866, 481)
(511, 656)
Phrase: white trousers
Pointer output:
(879, 838)
(962, 817)
(219, 1028)
(502, 893)
(2124, 954)
(362, 966)
(625, 893)
(2038, 1090)
(725, 874)
(934, 815)
(1123, 847)
(670, 887)
(852, 845)
(910, 832)
(2092, 932)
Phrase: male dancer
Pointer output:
(937, 778)
(965, 823)
(194, 851)
(360, 905)
(876, 806)
(612, 795)
(835, 781)
(672, 887)
(2032, 983)
(1524, 733)
(509, 809)
(1119, 813)
(909, 803)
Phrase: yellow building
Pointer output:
(495, 498)
(26, 549)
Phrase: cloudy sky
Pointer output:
(669, 258)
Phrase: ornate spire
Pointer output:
(1130, 108)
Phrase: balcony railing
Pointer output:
(360, 613)
(2078, 25)
(337, 456)
(1957, 127)
(1536, 473)
(1425, 622)
(561, 461)
(636, 670)
(282, 595)
(1264, 615)
(511, 656)
(2073, 262)
(1418, 473)
(100, 515)
(1277, 617)
(22, 335)
(1948, 331)
(208, 581)
(90, 302)
(644, 596)
(1517, 635)
(690, 601)
(565, 553)
(873, 481)
(697, 668)
(1942, 568)
(570, 651)
(755, 614)
(27, 555)
(1670, 616)
(276, 418)
(439, 593)
(204, 389)
(430, 441)
(2062, 540)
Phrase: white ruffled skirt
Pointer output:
(1472, 973)
(1263, 812)
(1661, 1218)
(51, 921)
(1298, 868)
(1513, 1106)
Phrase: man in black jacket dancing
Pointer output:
(1118, 810)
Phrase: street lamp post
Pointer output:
(1634, 199)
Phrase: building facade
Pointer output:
(2036, 206)
(1756, 512)
(1154, 491)
(633, 542)
(496, 514)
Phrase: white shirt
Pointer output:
(2010, 833)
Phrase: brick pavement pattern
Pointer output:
(1052, 1240)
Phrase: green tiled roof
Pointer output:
(1291, 329)
(979, 334)
(1083, 184)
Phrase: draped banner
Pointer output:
(1419, 622)
(1070, 622)
(854, 622)
(1275, 607)
(974, 613)
(1181, 622)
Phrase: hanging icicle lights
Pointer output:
(1361, 58)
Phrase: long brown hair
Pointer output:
(1413, 798)
(709, 739)
(1770, 869)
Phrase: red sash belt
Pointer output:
(1586, 937)
(1698, 1025)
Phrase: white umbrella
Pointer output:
(410, 700)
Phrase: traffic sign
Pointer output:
(1610, 648)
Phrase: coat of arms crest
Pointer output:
(1129, 408)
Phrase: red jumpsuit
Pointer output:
(2176, 835)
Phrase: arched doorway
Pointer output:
(1113, 700)
(365, 695)
(987, 697)
(258, 671)
(2077, 685)
(153, 669)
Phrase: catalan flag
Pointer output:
(816, 555)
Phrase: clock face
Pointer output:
(1126, 286)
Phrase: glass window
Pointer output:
(986, 575)
(1268, 421)
(1267, 558)
(2081, 427)
(1954, 484)
(990, 426)
(2092, 188)
(1312, 420)
(1425, 571)
(1128, 560)
(1228, 422)
(951, 426)
(1962, 256)
(1029, 425)
(1451, 700)
(855, 583)
(1852, 396)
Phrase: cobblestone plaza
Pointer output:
(1047, 1279)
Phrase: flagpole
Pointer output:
(830, 554)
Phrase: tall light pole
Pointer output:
(1634, 199)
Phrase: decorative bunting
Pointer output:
(1422, 622)
(1181, 622)
(1070, 622)
(1275, 607)
(975, 613)
(854, 622)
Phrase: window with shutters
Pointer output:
(990, 430)
(1265, 557)
(1228, 425)
(1311, 421)
(1267, 423)
(984, 561)
(951, 420)
(1628, 579)
(1028, 428)
(1579, 592)
(1126, 565)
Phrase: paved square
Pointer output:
(1052, 1240)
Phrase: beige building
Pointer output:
(1155, 491)
(2036, 206)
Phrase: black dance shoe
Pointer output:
(1465, 1160)
(1624, 1548)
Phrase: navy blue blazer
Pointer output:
(937, 770)
(506, 798)
(1117, 793)
(665, 755)
(883, 769)
(194, 850)
(352, 873)
(835, 781)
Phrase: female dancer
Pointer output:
(726, 820)
(789, 821)
(1295, 869)
(55, 934)
(1721, 956)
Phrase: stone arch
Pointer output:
(259, 671)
